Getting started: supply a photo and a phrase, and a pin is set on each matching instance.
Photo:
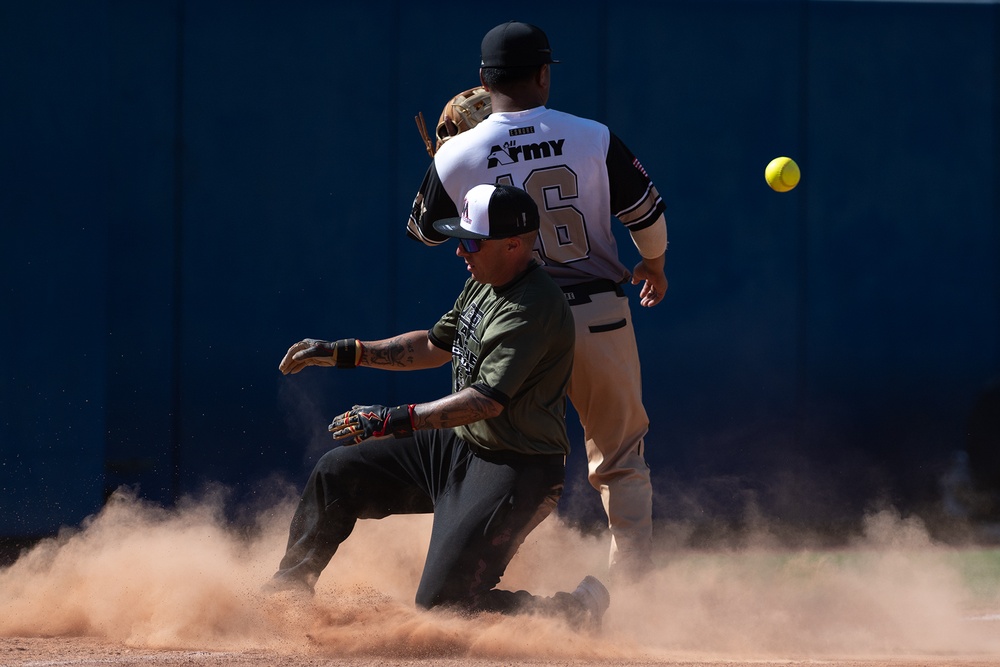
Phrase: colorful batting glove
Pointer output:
(373, 421)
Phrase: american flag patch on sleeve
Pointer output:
(638, 165)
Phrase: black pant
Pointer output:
(484, 505)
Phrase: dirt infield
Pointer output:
(143, 585)
(78, 652)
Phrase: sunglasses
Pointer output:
(471, 245)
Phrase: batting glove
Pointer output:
(344, 353)
(373, 421)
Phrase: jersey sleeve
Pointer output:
(442, 334)
(431, 203)
(634, 199)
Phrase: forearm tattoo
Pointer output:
(465, 407)
(396, 352)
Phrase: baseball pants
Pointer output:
(606, 391)
(484, 505)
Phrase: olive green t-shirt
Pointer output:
(514, 344)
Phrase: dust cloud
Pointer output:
(184, 579)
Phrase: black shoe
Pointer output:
(594, 597)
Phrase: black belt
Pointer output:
(581, 292)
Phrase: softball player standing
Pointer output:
(579, 174)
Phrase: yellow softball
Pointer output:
(782, 174)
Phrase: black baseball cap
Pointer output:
(492, 212)
(516, 44)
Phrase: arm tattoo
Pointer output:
(396, 352)
(466, 407)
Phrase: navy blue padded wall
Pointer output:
(285, 211)
(143, 304)
(54, 205)
(195, 186)
(819, 348)
(903, 234)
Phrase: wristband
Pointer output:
(347, 353)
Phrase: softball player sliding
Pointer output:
(488, 460)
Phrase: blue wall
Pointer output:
(190, 187)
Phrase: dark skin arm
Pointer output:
(655, 286)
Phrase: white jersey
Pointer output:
(575, 169)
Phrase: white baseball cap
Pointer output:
(492, 212)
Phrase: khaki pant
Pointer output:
(606, 390)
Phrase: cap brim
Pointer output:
(453, 227)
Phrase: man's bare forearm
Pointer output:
(407, 351)
(464, 407)
(395, 352)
